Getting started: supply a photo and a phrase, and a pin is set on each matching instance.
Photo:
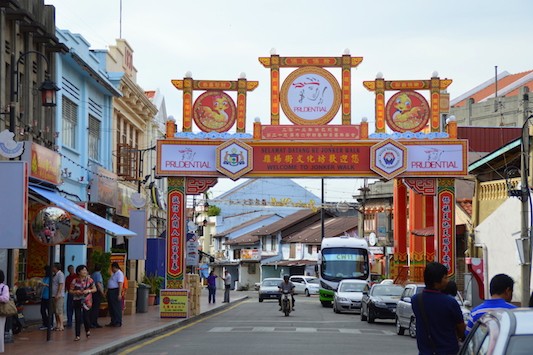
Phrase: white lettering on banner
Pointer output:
(188, 164)
(434, 158)
(188, 157)
(310, 109)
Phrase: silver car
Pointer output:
(307, 285)
(269, 289)
(348, 296)
(504, 331)
(405, 318)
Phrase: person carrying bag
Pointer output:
(7, 308)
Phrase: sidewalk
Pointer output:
(107, 340)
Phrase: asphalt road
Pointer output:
(257, 328)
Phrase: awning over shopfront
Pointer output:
(83, 213)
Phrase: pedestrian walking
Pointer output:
(69, 300)
(439, 320)
(114, 295)
(97, 296)
(58, 295)
(4, 297)
(227, 286)
(45, 298)
(82, 289)
(501, 293)
(212, 286)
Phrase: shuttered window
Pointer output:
(70, 122)
(94, 138)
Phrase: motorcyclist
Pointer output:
(286, 285)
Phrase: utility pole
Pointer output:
(525, 235)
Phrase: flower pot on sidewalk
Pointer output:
(151, 299)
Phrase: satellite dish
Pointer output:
(372, 239)
(137, 200)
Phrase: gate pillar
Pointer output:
(400, 227)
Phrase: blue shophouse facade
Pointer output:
(83, 125)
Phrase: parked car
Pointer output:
(405, 318)
(348, 296)
(269, 289)
(380, 302)
(503, 331)
(307, 285)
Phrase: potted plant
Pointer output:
(155, 282)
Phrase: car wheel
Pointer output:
(260, 299)
(371, 316)
(363, 317)
(307, 294)
(399, 329)
(335, 309)
(326, 303)
(412, 328)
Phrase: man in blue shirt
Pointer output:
(439, 320)
(501, 292)
(97, 296)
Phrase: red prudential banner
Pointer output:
(446, 232)
(175, 240)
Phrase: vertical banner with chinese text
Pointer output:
(175, 233)
(446, 224)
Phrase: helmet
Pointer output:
(286, 277)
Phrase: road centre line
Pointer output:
(163, 336)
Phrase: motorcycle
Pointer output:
(286, 303)
(18, 322)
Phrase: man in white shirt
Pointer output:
(227, 286)
(114, 296)
(58, 294)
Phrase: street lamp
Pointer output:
(48, 88)
(364, 191)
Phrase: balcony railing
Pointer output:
(496, 190)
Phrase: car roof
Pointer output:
(520, 320)
(273, 278)
(304, 276)
(354, 281)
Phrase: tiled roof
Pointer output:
(333, 227)
(246, 239)
(508, 85)
(245, 224)
(466, 205)
(424, 232)
(285, 222)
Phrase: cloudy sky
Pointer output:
(461, 40)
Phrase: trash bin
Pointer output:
(142, 298)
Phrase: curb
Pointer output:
(131, 339)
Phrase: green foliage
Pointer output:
(213, 210)
(154, 281)
(104, 260)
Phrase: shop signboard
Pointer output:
(174, 303)
(14, 209)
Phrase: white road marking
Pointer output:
(299, 330)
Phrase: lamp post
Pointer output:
(48, 88)
(364, 190)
